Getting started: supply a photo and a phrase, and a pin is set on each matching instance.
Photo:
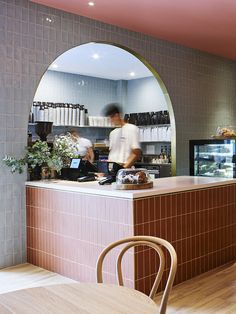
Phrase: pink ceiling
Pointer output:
(208, 25)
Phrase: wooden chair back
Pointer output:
(156, 244)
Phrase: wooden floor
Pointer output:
(27, 276)
(210, 293)
(213, 292)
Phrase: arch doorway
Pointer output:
(96, 73)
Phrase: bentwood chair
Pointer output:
(156, 244)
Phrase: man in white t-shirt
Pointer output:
(124, 140)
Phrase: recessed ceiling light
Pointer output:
(48, 19)
(54, 66)
(95, 56)
(91, 3)
(132, 74)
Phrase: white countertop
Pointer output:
(161, 186)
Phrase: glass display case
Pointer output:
(213, 158)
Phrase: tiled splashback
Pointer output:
(201, 88)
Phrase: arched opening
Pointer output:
(140, 92)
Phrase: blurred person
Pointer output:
(82, 146)
(124, 146)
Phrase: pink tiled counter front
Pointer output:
(69, 224)
(66, 231)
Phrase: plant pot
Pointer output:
(53, 174)
(45, 172)
(34, 173)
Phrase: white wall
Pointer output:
(137, 95)
(144, 95)
(94, 93)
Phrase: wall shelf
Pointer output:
(154, 141)
(154, 126)
(109, 127)
(77, 126)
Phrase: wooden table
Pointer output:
(77, 298)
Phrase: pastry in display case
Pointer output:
(225, 132)
(132, 179)
(213, 158)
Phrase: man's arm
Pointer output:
(135, 155)
(90, 155)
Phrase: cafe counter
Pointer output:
(69, 223)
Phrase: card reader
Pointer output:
(107, 180)
(86, 179)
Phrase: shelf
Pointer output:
(109, 127)
(215, 154)
(77, 126)
(153, 126)
(207, 160)
(152, 164)
(155, 141)
(212, 160)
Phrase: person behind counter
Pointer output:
(82, 146)
(124, 140)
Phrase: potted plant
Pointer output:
(63, 148)
(55, 163)
(17, 165)
(36, 157)
(62, 152)
(43, 161)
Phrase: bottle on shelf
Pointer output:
(35, 110)
(50, 112)
(70, 114)
(86, 116)
(77, 115)
(46, 112)
(58, 114)
(132, 118)
(40, 115)
(74, 111)
(153, 117)
(163, 152)
(82, 115)
(166, 117)
(148, 118)
(169, 155)
(66, 122)
(54, 113)
(126, 117)
(31, 116)
(63, 114)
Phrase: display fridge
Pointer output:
(213, 158)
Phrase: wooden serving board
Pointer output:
(134, 186)
(221, 137)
